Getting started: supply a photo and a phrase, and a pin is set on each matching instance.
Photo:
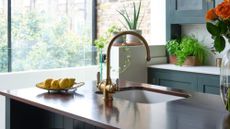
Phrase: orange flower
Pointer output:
(223, 10)
(210, 15)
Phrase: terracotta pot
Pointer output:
(172, 59)
(191, 61)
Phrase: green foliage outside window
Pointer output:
(40, 41)
(3, 43)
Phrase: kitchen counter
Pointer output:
(198, 111)
(212, 70)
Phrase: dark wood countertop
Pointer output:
(199, 111)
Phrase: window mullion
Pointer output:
(94, 29)
(9, 36)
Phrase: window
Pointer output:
(50, 34)
(3, 36)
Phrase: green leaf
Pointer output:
(134, 16)
(172, 46)
(127, 16)
(212, 29)
(138, 14)
(222, 27)
(219, 43)
(132, 22)
(126, 27)
(126, 19)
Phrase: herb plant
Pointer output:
(172, 46)
(187, 46)
(100, 42)
(113, 29)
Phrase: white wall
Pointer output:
(16, 80)
(158, 22)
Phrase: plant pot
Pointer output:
(119, 40)
(172, 59)
(133, 40)
(191, 61)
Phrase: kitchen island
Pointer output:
(33, 108)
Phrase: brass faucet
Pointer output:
(106, 86)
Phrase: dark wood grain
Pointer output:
(196, 111)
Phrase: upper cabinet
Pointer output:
(188, 11)
(185, 12)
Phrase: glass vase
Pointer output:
(225, 80)
(101, 63)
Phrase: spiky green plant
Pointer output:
(132, 23)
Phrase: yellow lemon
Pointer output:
(47, 83)
(72, 82)
(64, 83)
(59, 79)
(54, 84)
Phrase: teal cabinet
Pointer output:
(209, 84)
(173, 79)
(189, 11)
(180, 12)
(38, 118)
(184, 80)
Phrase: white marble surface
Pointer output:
(212, 70)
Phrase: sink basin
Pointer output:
(145, 96)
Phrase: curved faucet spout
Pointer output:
(148, 58)
(107, 87)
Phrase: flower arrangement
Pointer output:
(218, 24)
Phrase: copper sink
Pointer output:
(145, 96)
(148, 95)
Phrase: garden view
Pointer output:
(47, 34)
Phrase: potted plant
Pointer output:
(112, 31)
(188, 51)
(132, 22)
(100, 44)
(103, 40)
(172, 46)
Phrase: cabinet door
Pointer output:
(189, 11)
(173, 79)
(209, 84)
